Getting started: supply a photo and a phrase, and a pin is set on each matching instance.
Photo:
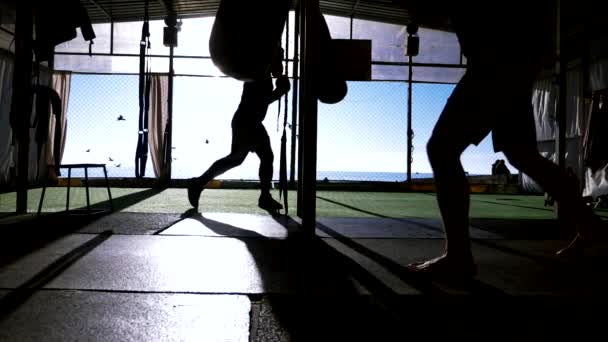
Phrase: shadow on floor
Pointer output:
(515, 229)
(16, 297)
(323, 296)
(323, 300)
(27, 233)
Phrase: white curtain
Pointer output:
(544, 102)
(157, 121)
(6, 91)
(60, 82)
(596, 154)
(37, 169)
(596, 183)
(598, 75)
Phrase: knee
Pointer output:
(237, 158)
(440, 151)
(266, 156)
(521, 158)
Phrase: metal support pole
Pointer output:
(169, 126)
(112, 37)
(309, 114)
(301, 106)
(410, 132)
(22, 97)
(294, 102)
(561, 68)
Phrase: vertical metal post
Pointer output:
(22, 97)
(112, 37)
(67, 196)
(561, 70)
(309, 114)
(86, 186)
(301, 106)
(410, 132)
(169, 127)
(294, 102)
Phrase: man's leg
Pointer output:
(264, 151)
(563, 188)
(452, 134)
(196, 185)
(452, 191)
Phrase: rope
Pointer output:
(141, 153)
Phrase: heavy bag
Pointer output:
(245, 34)
(329, 84)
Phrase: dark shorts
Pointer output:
(250, 137)
(496, 100)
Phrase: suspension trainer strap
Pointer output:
(144, 158)
(142, 146)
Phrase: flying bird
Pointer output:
(206, 141)
(121, 118)
(117, 165)
(88, 150)
(110, 159)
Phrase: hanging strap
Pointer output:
(141, 153)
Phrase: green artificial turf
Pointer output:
(329, 203)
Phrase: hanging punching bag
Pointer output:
(330, 85)
(245, 34)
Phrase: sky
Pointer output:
(365, 132)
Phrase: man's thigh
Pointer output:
(463, 120)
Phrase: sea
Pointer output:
(355, 176)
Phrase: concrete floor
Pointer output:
(241, 277)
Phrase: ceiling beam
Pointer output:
(163, 4)
(101, 9)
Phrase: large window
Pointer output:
(202, 132)
(103, 123)
(361, 138)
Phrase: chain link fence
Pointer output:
(103, 124)
(362, 138)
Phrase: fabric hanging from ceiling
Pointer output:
(598, 75)
(6, 90)
(37, 169)
(595, 145)
(61, 83)
(159, 90)
(596, 175)
(544, 103)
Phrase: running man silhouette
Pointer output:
(506, 47)
(249, 135)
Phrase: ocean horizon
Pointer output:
(355, 176)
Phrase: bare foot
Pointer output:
(445, 267)
(581, 247)
(590, 231)
(268, 203)
(575, 248)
